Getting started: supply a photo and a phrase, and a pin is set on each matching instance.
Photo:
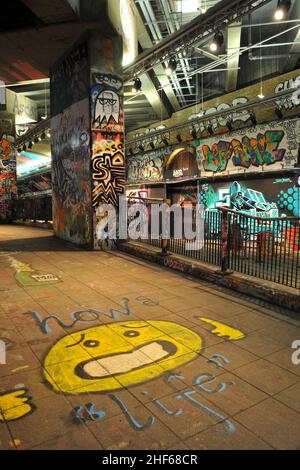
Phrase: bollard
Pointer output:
(165, 236)
(2, 352)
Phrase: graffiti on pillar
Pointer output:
(7, 176)
(106, 103)
(70, 80)
(71, 173)
(108, 172)
(108, 160)
(272, 146)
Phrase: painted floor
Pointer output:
(104, 351)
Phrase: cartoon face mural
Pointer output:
(107, 106)
(122, 354)
(107, 103)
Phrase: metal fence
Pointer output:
(265, 248)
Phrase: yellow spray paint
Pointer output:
(223, 330)
(14, 405)
(122, 354)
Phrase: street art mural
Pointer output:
(123, 354)
(26, 275)
(106, 103)
(32, 162)
(8, 187)
(104, 360)
(269, 198)
(266, 147)
(71, 173)
(108, 174)
(108, 160)
(149, 167)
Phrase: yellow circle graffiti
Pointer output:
(109, 357)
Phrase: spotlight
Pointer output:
(39, 138)
(171, 67)
(165, 141)
(282, 9)
(48, 135)
(137, 85)
(253, 118)
(279, 112)
(229, 124)
(141, 147)
(217, 41)
(152, 145)
(194, 133)
(24, 148)
(179, 138)
(210, 129)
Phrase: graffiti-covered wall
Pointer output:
(70, 146)
(268, 147)
(8, 187)
(148, 167)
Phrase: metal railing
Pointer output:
(265, 248)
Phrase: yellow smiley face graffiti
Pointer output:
(110, 357)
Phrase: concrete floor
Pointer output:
(135, 356)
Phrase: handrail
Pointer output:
(264, 219)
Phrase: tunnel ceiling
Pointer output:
(45, 29)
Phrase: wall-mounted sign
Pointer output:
(24, 109)
(2, 96)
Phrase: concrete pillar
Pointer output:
(87, 134)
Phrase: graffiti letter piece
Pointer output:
(201, 383)
(223, 330)
(130, 417)
(188, 395)
(160, 405)
(90, 413)
(216, 360)
(14, 404)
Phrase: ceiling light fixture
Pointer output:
(172, 65)
(253, 118)
(194, 133)
(282, 9)
(217, 41)
(279, 111)
(229, 124)
(210, 129)
(137, 85)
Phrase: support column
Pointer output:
(87, 136)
